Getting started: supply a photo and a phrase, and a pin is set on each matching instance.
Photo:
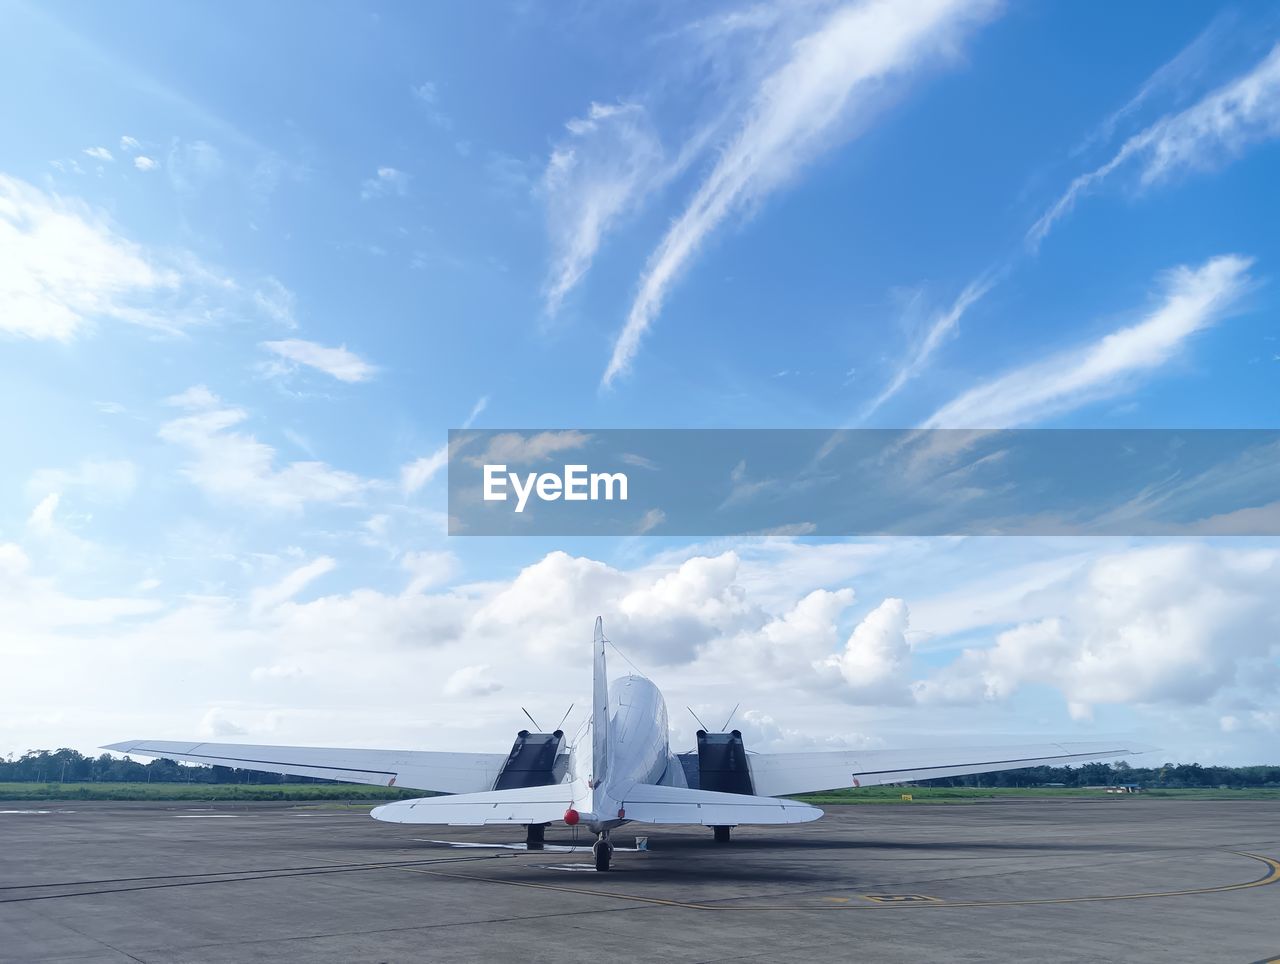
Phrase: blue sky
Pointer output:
(255, 263)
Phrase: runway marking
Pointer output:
(1271, 876)
(898, 898)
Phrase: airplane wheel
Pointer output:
(602, 850)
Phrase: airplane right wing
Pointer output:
(413, 769)
(649, 803)
(774, 774)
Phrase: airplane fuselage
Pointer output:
(639, 752)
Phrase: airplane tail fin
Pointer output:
(599, 709)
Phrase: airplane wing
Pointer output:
(648, 803)
(783, 773)
(523, 805)
(414, 769)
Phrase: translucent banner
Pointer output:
(863, 482)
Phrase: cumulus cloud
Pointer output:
(835, 77)
(1194, 298)
(1176, 623)
(235, 467)
(876, 660)
(99, 153)
(144, 163)
(1212, 131)
(471, 681)
(340, 362)
(217, 723)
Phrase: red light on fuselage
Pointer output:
(571, 816)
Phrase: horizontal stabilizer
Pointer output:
(522, 805)
(412, 769)
(647, 803)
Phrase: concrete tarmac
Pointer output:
(1112, 879)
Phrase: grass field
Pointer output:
(974, 795)
(200, 791)
(304, 792)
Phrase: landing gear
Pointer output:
(722, 834)
(535, 834)
(602, 850)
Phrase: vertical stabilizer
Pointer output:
(599, 710)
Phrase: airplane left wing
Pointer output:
(413, 769)
(783, 773)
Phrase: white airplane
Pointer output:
(629, 776)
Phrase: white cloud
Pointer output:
(276, 301)
(129, 144)
(234, 467)
(876, 660)
(193, 165)
(62, 267)
(609, 161)
(105, 480)
(277, 671)
(99, 153)
(476, 411)
(650, 521)
(941, 327)
(291, 584)
(387, 181)
(194, 398)
(1175, 623)
(144, 163)
(523, 448)
(340, 362)
(835, 77)
(471, 681)
(1195, 298)
(422, 470)
(1216, 129)
(42, 515)
(428, 569)
(216, 723)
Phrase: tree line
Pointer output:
(71, 766)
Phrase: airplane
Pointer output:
(630, 774)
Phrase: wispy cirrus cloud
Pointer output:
(1194, 299)
(942, 326)
(342, 363)
(834, 79)
(608, 162)
(64, 266)
(1210, 132)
